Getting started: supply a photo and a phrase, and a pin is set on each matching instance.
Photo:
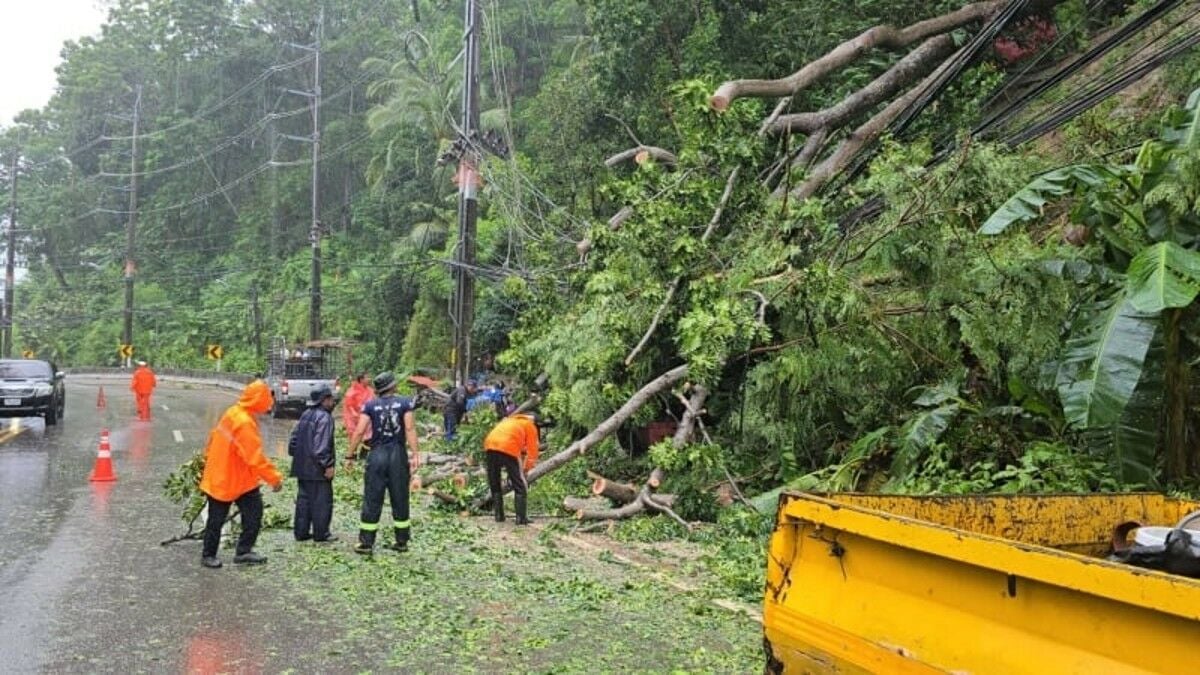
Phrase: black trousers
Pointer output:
(251, 507)
(496, 461)
(314, 509)
(387, 473)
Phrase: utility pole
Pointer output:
(10, 256)
(256, 318)
(314, 313)
(131, 227)
(468, 186)
(314, 232)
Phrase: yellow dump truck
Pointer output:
(973, 584)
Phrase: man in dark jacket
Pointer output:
(456, 407)
(311, 448)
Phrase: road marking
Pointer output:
(166, 408)
(178, 436)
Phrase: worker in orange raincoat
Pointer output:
(513, 437)
(142, 386)
(233, 466)
(352, 405)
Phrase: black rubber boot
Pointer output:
(519, 503)
(498, 508)
(250, 558)
(212, 562)
(366, 542)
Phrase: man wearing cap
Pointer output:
(142, 386)
(389, 464)
(234, 465)
(311, 448)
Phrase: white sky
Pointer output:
(32, 33)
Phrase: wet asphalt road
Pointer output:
(86, 585)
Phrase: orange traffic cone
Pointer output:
(103, 469)
(100, 402)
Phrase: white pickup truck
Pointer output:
(294, 371)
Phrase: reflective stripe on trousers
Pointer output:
(387, 473)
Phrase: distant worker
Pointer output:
(142, 386)
(500, 400)
(313, 461)
(352, 405)
(233, 466)
(456, 407)
(389, 464)
(513, 437)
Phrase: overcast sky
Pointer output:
(31, 36)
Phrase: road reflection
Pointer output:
(217, 651)
(141, 436)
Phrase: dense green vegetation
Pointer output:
(904, 352)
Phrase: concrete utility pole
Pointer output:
(131, 227)
(468, 186)
(256, 318)
(314, 232)
(314, 314)
(10, 256)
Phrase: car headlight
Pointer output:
(42, 390)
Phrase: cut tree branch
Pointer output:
(879, 37)
(863, 135)
(915, 64)
(621, 493)
(614, 223)
(642, 154)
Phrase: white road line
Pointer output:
(178, 436)
(166, 408)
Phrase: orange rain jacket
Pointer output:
(234, 460)
(514, 435)
(143, 380)
(352, 406)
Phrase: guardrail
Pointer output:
(228, 380)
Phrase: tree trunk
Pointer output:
(866, 133)
(916, 64)
(578, 505)
(1177, 383)
(621, 493)
(850, 51)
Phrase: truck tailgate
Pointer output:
(981, 584)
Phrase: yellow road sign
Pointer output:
(215, 352)
(125, 351)
(28, 353)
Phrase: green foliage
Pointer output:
(1042, 468)
(1164, 275)
(1027, 204)
(182, 486)
(1146, 217)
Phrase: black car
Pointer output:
(30, 388)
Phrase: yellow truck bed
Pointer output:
(972, 584)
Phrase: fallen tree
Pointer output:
(645, 498)
(878, 37)
(603, 430)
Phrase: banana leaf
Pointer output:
(1103, 362)
(1027, 203)
(1162, 276)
